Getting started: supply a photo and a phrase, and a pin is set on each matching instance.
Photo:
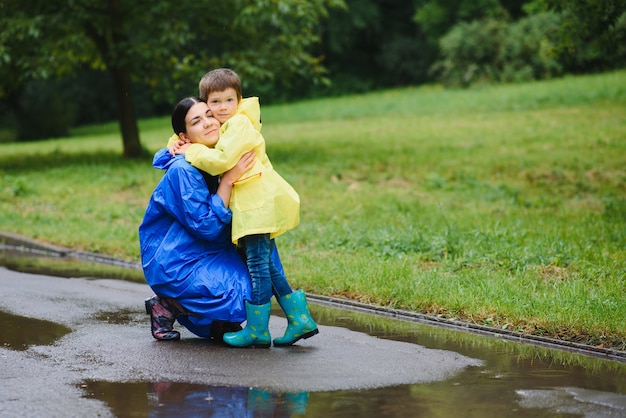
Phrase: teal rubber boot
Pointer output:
(300, 324)
(256, 333)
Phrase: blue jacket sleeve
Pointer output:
(186, 198)
(161, 158)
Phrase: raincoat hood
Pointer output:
(163, 159)
(250, 108)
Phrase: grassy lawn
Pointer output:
(502, 205)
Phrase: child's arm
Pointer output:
(230, 177)
(237, 138)
(179, 147)
(176, 145)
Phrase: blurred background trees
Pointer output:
(64, 64)
(159, 49)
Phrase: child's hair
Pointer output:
(219, 80)
(180, 113)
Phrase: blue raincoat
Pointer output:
(186, 248)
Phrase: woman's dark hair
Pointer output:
(180, 113)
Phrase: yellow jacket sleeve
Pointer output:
(171, 141)
(237, 136)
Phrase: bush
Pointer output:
(529, 49)
(488, 50)
(469, 52)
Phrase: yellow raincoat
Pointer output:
(261, 201)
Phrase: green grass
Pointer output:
(503, 205)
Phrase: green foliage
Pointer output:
(436, 17)
(371, 45)
(286, 50)
(169, 45)
(490, 50)
(528, 52)
(592, 35)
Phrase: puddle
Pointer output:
(168, 399)
(517, 380)
(19, 333)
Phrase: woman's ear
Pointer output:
(183, 136)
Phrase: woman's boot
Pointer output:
(256, 333)
(163, 313)
(219, 328)
(300, 324)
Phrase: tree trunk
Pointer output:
(126, 112)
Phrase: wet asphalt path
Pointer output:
(44, 380)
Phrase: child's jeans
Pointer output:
(267, 279)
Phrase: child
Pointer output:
(263, 204)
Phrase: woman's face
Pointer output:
(202, 128)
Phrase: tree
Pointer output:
(162, 43)
(21, 35)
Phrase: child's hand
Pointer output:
(246, 162)
(179, 147)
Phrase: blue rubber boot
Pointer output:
(300, 324)
(256, 333)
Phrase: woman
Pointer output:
(187, 255)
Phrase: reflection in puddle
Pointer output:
(170, 399)
(451, 399)
(18, 332)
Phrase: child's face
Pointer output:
(223, 104)
(202, 128)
